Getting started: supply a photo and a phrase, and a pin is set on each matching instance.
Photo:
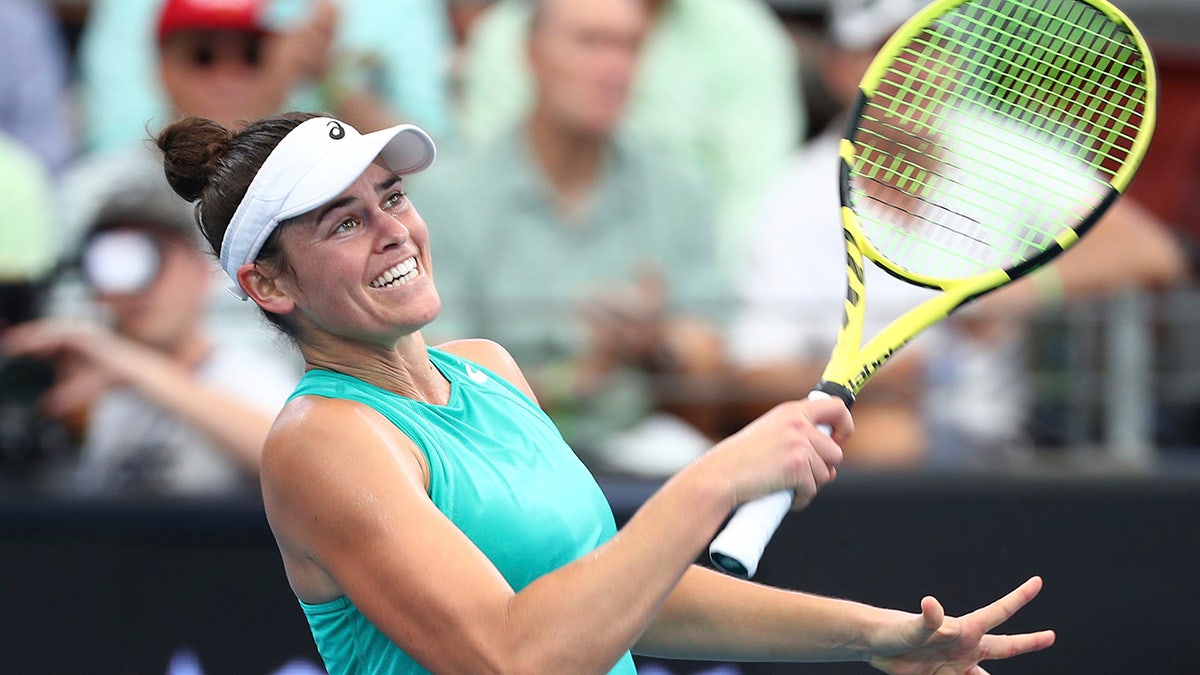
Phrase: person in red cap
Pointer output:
(225, 60)
(213, 60)
(217, 14)
(340, 56)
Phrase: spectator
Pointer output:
(586, 253)
(208, 59)
(166, 408)
(211, 60)
(34, 98)
(338, 55)
(717, 87)
(957, 387)
(222, 61)
(219, 60)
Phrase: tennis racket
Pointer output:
(988, 136)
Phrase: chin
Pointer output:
(432, 314)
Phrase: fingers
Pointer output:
(827, 449)
(833, 413)
(993, 647)
(785, 450)
(1002, 610)
(932, 613)
(51, 337)
(1005, 646)
(804, 491)
(822, 455)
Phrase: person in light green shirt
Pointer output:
(717, 88)
(28, 245)
(590, 255)
(516, 269)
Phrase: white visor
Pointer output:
(311, 166)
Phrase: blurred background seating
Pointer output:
(1112, 378)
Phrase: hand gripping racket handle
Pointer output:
(738, 548)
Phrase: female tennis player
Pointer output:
(429, 515)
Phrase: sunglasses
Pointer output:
(203, 50)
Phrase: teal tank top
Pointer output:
(498, 469)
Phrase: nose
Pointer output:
(389, 227)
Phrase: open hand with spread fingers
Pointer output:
(935, 644)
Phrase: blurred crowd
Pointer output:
(651, 228)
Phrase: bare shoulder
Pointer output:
(492, 356)
(328, 464)
(324, 435)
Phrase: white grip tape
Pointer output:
(738, 548)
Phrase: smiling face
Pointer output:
(358, 268)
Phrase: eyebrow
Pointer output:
(381, 186)
(388, 182)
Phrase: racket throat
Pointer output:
(837, 390)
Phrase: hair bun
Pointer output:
(192, 149)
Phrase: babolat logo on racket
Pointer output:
(860, 378)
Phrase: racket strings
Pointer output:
(974, 231)
(994, 130)
(902, 201)
(1105, 69)
(1109, 117)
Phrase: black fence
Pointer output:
(109, 587)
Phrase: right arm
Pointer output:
(346, 495)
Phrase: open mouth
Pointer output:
(402, 273)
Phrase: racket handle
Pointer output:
(739, 546)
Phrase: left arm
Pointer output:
(713, 616)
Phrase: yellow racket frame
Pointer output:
(852, 363)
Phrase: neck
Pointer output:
(404, 369)
(570, 161)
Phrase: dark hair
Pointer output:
(212, 166)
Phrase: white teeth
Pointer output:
(401, 273)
